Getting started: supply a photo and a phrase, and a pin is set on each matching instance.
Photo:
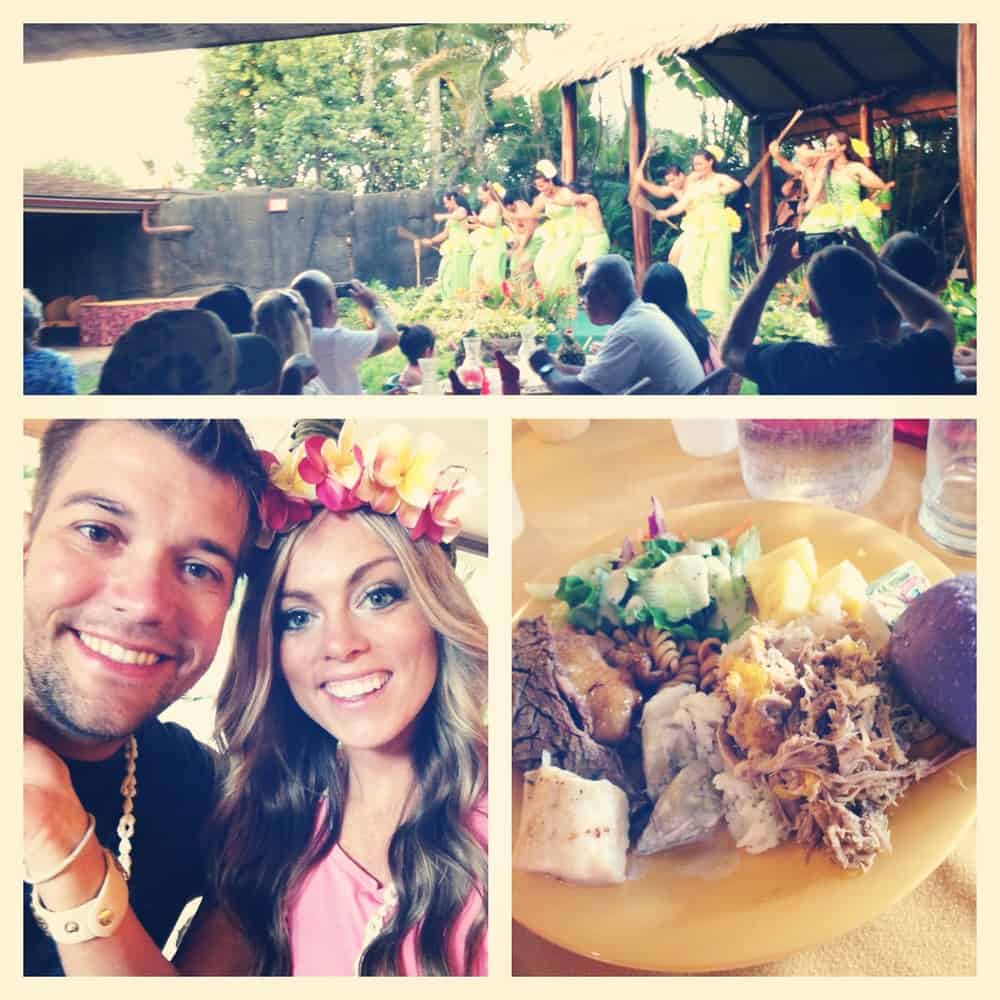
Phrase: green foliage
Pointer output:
(294, 112)
(66, 167)
(962, 304)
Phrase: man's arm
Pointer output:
(742, 329)
(921, 309)
(54, 824)
(386, 334)
(561, 379)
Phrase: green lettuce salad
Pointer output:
(694, 587)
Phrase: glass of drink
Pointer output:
(842, 463)
(948, 510)
(705, 438)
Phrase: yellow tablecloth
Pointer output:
(605, 478)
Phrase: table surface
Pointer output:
(617, 466)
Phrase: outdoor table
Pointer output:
(607, 476)
(102, 323)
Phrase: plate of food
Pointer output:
(741, 732)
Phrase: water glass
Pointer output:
(429, 371)
(706, 438)
(948, 508)
(841, 463)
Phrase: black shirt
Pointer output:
(920, 364)
(175, 792)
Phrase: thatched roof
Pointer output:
(767, 70)
(43, 42)
(584, 52)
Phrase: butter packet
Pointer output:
(891, 593)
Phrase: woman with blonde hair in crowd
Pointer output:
(282, 316)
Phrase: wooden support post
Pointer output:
(865, 129)
(642, 246)
(765, 196)
(967, 137)
(569, 134)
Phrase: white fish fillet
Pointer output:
(572, 828)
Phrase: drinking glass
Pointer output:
(948, 508)
(841, 463)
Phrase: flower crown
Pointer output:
(717, 152)
(392, 475)
(546, 168)
(861, 148)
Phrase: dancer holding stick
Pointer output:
(453, 243)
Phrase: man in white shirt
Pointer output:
(336, 349)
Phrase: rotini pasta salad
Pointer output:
(682, 685)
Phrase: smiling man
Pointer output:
(138, 532)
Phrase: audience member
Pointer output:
(664, 286)
(231, 304)
(642, 342)
(415, 342)
(336, 349)
(282, 316)
(46, 373)
(844, 283)
(187, 352)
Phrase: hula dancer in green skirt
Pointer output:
(561, 237)
(489, 261)
(835, 201)
(454, 244)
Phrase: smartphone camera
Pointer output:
(343, 289)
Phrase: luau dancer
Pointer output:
(595, 241)
(834, 200)
(803, 171)
(554, 265)
(454, 244)
(674, 181)
(489, 262)
(707, 230)
(526, 243)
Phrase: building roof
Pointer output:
(57, 192)
(768, 70)
(44, 42)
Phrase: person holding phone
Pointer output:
(336, 349)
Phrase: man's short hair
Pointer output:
(914, 258)
(844, 285)
(318, 290)
(613, 275)
(231, 303)
(220, 445)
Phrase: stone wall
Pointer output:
(235, 238)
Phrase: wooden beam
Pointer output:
(967, 136)
(721, 82)
(834, 54)
(569, 134)
(642, 244)
(865, 131)
(765, 196)
(918, 48)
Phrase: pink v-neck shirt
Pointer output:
(328, 916)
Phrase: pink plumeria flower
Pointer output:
(287, 500)
(335, 468)
(441, 520)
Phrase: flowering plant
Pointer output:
(392, 475)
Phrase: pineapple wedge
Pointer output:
(762, 571)
(787, 593)
(846, 582)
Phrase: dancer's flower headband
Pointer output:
(392, 475)
(716, 151)
(546, 168)
(861, 148)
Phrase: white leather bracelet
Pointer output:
(69, 859)
(98, 917)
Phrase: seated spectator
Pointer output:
(844, 283)
(281, 315)
(46, 373)
(642, 341)
(664, 286)
(415, 342)
(187, 352)
(336, 349)
(231, 304)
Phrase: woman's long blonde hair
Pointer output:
(282, 768)
(282, 316)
